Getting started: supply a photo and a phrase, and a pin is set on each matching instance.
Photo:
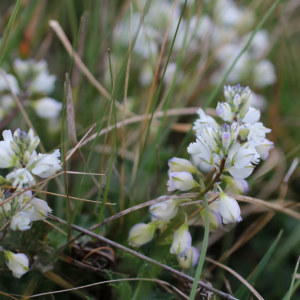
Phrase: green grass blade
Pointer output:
(8, 29)
(293, 280)
(295, 287)
(242, 291)
(203, 252)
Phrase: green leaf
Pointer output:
(242, 291)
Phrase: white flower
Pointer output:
(182, 181)
(241, 173)
(180, 164)
(43, 83)
(17, 263)
(191, 259)
(204, 120)
(20, 221)
(264, 73)
(257, 132)
(264, 147)
(47, 108)
(240, 157)
(146, 74)
(46, 164)
(252, 116)
(21, 177)
(164, 211)
(9, 82)
(211, 138)
(8, 157)
(182, 241)
(41, 209)
(229, 209)
(224, 111)
(142, 233)
(34, 141)
(239, 186)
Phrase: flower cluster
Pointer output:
(18, 207)
(224, 29)
(31, 82)
(234, 147)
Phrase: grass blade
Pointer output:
(241, 293)
(8, 29)
(203, 252)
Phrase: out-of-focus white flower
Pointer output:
(164, 211)
(252, 116)
(182, 181)
(259, 43)
(224, 111)
(7, 102)
(21, 177)
(182, 241)
(264, 147)
(43, 83)
(47, 108)
(20, 221)
(191, 259)
(180, 164)
(146, 74)
(17, 263)
(142, 233)
(203, 120)
(9, 82)
(45, 165)
(239, 186)
(264, 73)
(229, 209)
(25, 69)
(259, 102)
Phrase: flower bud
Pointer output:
(142, 233)
(226, 139)
(180, 164)
(224, 111)
(164, 211)
(229, 209)
(182, 241)
(17, 263)
(182, 181)
(191, 258)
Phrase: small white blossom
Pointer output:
(21, 177)
(264, 147)
(17, 263)
(9, 82)
(203, 120)
(180, 164)
(191, 259)
(238, 186)
(264, 73)
(142, 233)
(257, 132)
(47, 108)
(229, 209)
(164, 211)
(252, 116)
(41, 209)
(182, 241)
(21, 221)
(182, 181)
(46, 165)
(43, 83)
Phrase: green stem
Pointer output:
(203, 252)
